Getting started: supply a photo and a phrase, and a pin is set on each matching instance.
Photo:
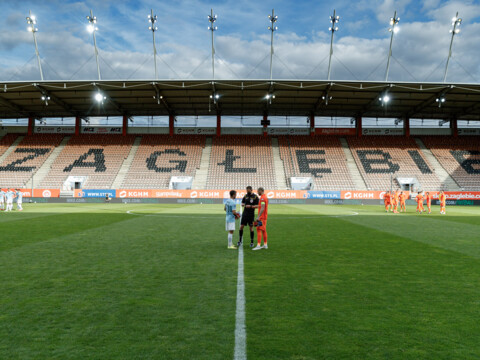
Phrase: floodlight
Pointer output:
(99, 97)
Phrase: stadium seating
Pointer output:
(161, 156)
(379, 156)
(460, 157)
(7, 141)
(239, 161)
(25, 160)
(322, 158)
(99, 157)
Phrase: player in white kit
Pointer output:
(2, 199)
(19, 200)
(9, 196)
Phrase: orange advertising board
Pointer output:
(203, 194)
(41, 193)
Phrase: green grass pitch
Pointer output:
(89, 281)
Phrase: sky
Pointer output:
(242, 41)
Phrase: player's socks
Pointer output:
(240, 232)
(252, 234)
(265, 246)
(230, 239)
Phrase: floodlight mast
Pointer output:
(334, 19)
(393, 23)
(456, 21)
(32, 21)
(92, 20)
(211, 19)
(153, 19)
(273, 19)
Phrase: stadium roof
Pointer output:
(240, 98)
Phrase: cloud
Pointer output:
(183, 43)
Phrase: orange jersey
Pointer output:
(401, 198)
(429, 199)
(442, 198)
(395, 198)
(387, 198)
(263, 204)
(419, 198)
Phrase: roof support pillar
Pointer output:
(312, 124)
(454, 126)
(31, 125)
(219, 123)
(265, 118)
(406, 126)
(171, 121)
(358, 126)
(125, 125)
(78, 124)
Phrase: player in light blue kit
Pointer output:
(9, 196)
(232, 215)
(2, 199)
(19, 200)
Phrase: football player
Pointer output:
(249, 204)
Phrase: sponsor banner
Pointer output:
(288, 131)
(362, 195)
(91, 193)
(41, 193)
(468, 131)
(147, 130)
(240, 131)
(54, 129)
(369, 131)
(204, 194)
(458, 195)
(335, 131)
(323, 195)
(195, 131)
(101, 130)
(421, 131)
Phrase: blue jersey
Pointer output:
(9, 195)
(2, 194)
(229, 207)
(19, 196)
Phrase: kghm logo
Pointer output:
(46, 193)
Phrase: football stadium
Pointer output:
(140, 164)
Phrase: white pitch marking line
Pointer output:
(240, 328)
(130, 212)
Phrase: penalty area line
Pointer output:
(240, 352)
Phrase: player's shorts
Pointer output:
(229, 226)
(19, 202)
(264, 225)
(247, 219)
(9, 202)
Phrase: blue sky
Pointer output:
(242, 40)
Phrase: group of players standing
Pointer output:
(250, 202)
(6, 199)
(394, 199)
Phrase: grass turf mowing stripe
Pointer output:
(240, 329)
(143, 288)
(332, 289)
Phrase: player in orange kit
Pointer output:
(443, 200)
(401, 198)
(419, 199)
(387, 200)
(262, 220)
(395, 202)
(429, 202)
